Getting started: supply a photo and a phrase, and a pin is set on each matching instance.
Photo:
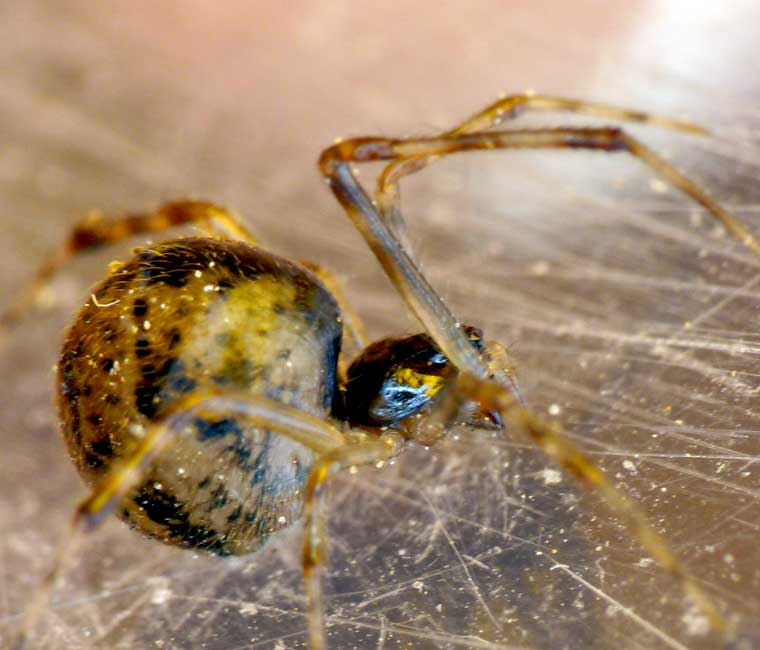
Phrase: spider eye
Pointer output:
(395, 378)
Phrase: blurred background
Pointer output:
(632, 319)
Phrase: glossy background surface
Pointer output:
(631, 318)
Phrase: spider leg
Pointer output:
(554, 442)
(96, 231)
(499, 361)
(398, 265)
(512, 106)
(306, 429)
(503, 109)
(501, 394)
(315, 531)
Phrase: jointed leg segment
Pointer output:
(315, 533)
(384, 242)
(507, 108)
(308, 430)
(555, 443)
(511, 107)
(381, 224)
(96, 231)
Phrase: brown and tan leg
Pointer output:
(308, 430)
(446, 330)
(398, 265)
(96, 231)
(512, 106)
(503, 109)
(368, 452)
(555, 443)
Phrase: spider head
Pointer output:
(396, 378)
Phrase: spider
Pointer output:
(201, 390)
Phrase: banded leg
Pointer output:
(446, 330)
(508, 108)
(298, 425)
(398, 265)
(96, 231)
(555, 443)
(315, 532)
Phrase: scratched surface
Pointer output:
(631, 318)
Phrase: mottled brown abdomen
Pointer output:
(199, 314)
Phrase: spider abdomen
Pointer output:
(193, 315)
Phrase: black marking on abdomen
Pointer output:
(153, 382)
(167, 511)
(235, 514)
(92, 461)
(142, 347)
(210, 430)
(139, 308)
(103, 447)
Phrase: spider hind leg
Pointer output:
(96, 231)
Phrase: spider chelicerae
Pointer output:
(208, 353)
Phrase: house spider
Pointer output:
(200, 388)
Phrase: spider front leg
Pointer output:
(506, 108)
(308, 430)
(366, 452)
(445, 329)
(96, 231)
(398, 265)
